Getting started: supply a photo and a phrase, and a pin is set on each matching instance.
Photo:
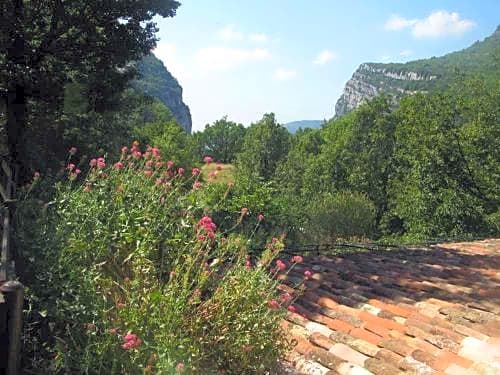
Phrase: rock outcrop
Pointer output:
(156, 81)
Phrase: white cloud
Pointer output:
(406, 53)
(438, 24)
(221, 58)
(283, 74)
(258, 38)
(324, 57)
(230, 34)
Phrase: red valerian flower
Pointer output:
(260, 217)
(181, 171)
(77, 171)
(206, 226)
(195, 171)
(93, 163)
(36, 176)
(136, 154)
(170, 164)
(208, 159)
(70, 167)
(156, 152)
(248, 264)
(285, 297)
(297, 259)
(180, 367)
(101, 164)
(292, 308)
(131, 341)
(148, 173)
(244, 211)
(197, 185)
(149, 164)
(124, 149)
(118, 166)
(281, 265)
(308, 274)
(273, 304)
(72, 151)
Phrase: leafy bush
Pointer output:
(131, 275)
(340, 215)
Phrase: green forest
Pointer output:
(148, 249)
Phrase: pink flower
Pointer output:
(197, 185)
(244, 211)
(212, 174)
(285, 297)
(248, 264)
(93, 163)
(101, 164)
(148, 173)
(159, 164)
(72, 151)
(131, 341)
(297, 259)
(118, 166)
(273, 304)
(201, 238)
(158, 181)
(70, 167)
(149, 164)
(308, 274)
(170, 164)
(292, 308)
(208, 159)
(136, 154)
(181, 171)
(281, 265)
(180, 367)
(36, 176)
(195, 171)
(77, 171)
(260, 217)
(124, 149)
(156, 152)
(207, 223)
(219, 167)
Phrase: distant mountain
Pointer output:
(156, 81)
(397, 79)
(304, 124)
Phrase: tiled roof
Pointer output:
(419, 311)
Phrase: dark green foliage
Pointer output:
(53, 43)
(266, 143)
(222, 140)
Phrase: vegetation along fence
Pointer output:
(11, 290)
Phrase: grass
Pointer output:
(218, 173)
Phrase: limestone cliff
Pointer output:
(156, 81)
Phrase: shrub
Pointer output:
(340, 215)
(132, 275)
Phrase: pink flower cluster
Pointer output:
(206, 228)
(131, 341)
(208, 159)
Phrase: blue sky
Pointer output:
(293, 57)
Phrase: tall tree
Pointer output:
(222, 140)
(46, 44)
(266, 143)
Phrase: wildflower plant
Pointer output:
(142, 279)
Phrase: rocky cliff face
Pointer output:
(156, 81)
(397, 80)
(370, 80)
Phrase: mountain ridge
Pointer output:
(423, 75)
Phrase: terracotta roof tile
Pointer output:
(418, 310)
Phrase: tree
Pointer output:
(266, 143)
(46, 44)
(222, 140)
